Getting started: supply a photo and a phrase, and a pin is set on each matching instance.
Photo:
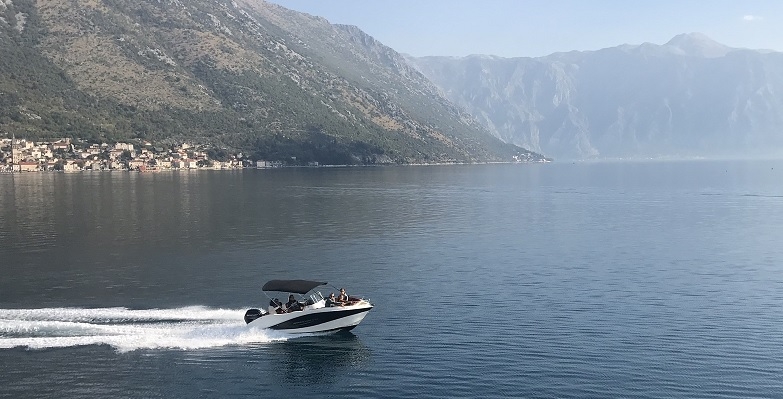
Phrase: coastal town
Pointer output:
(73, 155)
(21, 155)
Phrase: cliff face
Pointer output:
(245, 74)
(689, 97)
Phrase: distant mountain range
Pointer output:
(691, 97)
(283, 85)
(242, 74)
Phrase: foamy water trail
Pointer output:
(125, 329)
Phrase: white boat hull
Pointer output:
(322, 319)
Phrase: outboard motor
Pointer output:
(252, 314)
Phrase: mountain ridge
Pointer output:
(689, 97)
(243, 74)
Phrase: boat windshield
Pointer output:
(316, 297)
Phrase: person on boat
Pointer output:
(275, 306)
(331, 301)
(343, 297)
(293, 305)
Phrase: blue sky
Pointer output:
(522, 28)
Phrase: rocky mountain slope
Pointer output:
(688, 97)
(244, 74)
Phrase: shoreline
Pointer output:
(17, 172)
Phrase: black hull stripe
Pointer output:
(311, 320)
(338, 330)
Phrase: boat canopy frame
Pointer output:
(293, 286)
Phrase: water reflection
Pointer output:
(318, 359)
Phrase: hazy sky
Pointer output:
(513, 28)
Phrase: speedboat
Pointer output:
(314, 317)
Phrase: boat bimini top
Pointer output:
(293, 286)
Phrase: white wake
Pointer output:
(192, 327)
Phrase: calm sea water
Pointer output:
(660, 279)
